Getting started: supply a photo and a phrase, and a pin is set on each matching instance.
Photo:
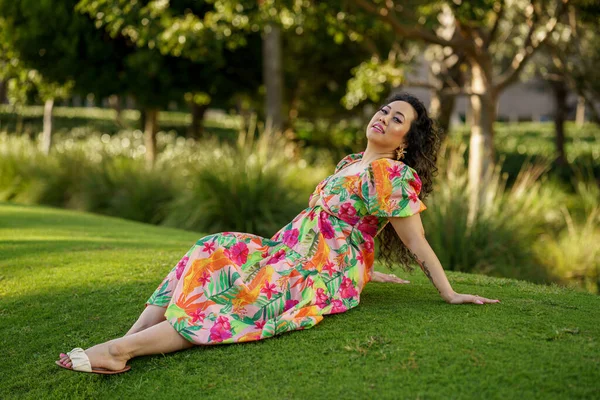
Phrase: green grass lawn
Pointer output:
(70, 279)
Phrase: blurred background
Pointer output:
(224, 115)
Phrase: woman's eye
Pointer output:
(383, 110)
(397, 120)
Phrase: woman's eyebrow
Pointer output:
(397, 112)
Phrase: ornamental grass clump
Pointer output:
(256, 185)
(500, 240)
(574, 254)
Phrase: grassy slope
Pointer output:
(71, 279)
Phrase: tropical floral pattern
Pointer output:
(237, 287)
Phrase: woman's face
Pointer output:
(390, 124)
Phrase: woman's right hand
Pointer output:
(458, 298)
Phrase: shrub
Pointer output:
(500, 240)
(574, 254)
(254, 186)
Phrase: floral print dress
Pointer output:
(237, 287)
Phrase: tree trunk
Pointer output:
(115, 104)
(272, 76)
(580, 115)
(196, 128)
(481, 147)
(3, 90)
(47, 131)
(441, 109)
(150, 129)
(560, 91)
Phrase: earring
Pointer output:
(400, 153)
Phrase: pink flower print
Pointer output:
(290, 237)
(220, 330)
(322, 298)
(416, 184)
(181, 266)
(360, 258)
(328, 267)
(347, 289)
(209, 247)
(368, 225)
(368, 246)
(394, 171)
(289, 304)
(338, 306)
(312, 214)
(413, 197)
(197, 315)
(269, 289)
(280, 254)
(348, 213)
(205, 278)
(259, 324)
(309, 282)
(325, 225)
(238, 253)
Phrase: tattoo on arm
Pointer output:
(425, 270)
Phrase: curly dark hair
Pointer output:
(422, 143)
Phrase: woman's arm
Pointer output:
(381, 277)
(411, 232)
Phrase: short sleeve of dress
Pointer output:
(391, 188)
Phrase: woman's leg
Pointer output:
(113, 355)
(151, 316)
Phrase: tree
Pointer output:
(66, 46)
(21, 82)
(497, 38)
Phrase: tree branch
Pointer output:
(455, 91)
(388, 15)
(492, 33)
(530, 47)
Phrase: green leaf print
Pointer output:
(251, 272)
(334, 283)
(174, 311)
(309, 322)
(237, 326)
(343, 195)
(223, 292)
(161, 297)
(272, 308)
(403, 204)
(343, 249)
(268, 329)
(313, 246)
(285, 326)
(308, 239)
(246, 320)
(253, 259)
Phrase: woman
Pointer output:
(234, 287)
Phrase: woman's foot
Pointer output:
(106, 355)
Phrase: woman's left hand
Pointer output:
(381, 277)
(458, 298)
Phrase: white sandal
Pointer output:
(81, 363)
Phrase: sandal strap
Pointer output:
(80, 360)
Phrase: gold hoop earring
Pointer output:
(400, 153)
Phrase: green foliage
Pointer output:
(252, 186)
(500, 240)
(574, 254)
